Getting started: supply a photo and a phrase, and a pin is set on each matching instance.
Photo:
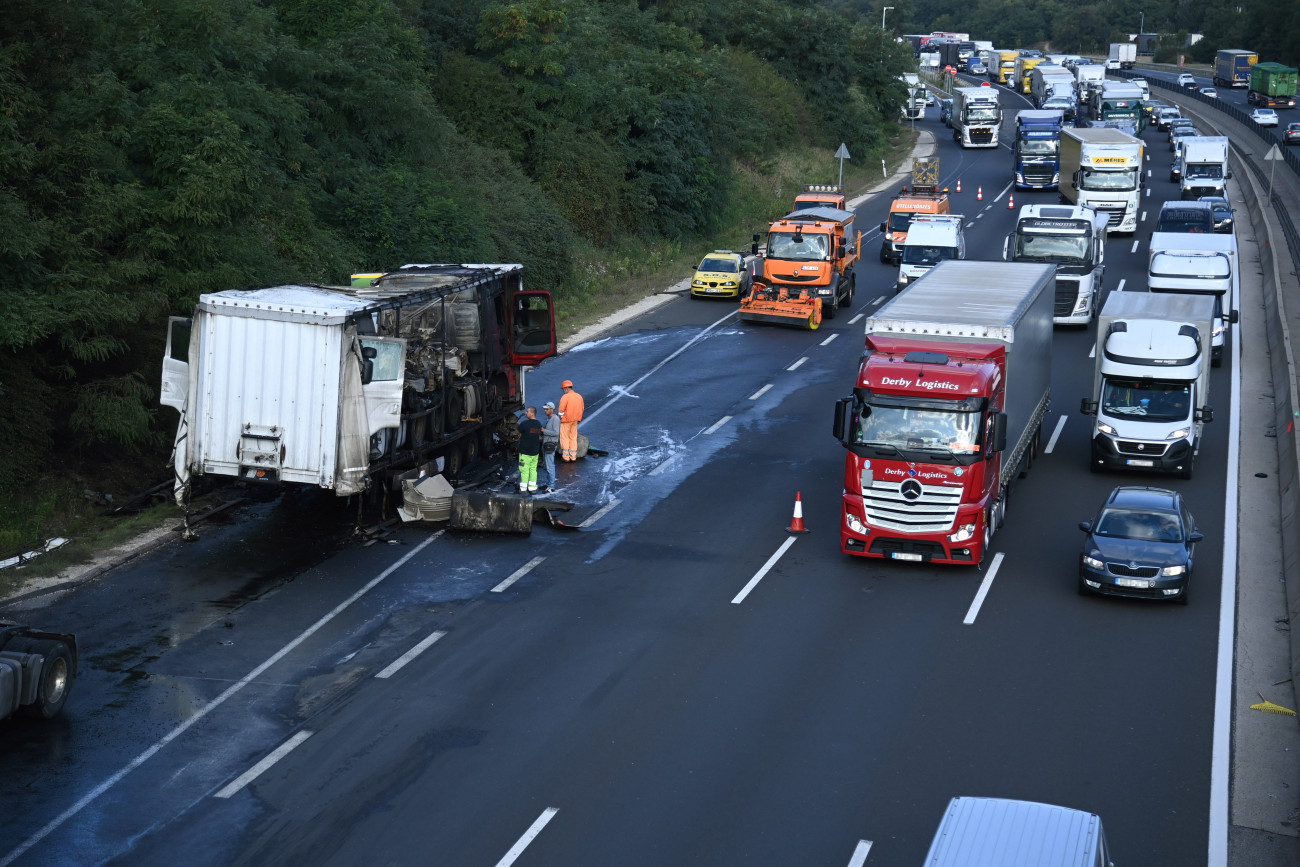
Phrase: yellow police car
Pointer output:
(722, 274)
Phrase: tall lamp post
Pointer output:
(882, 16)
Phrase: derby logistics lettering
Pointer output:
(927, 384)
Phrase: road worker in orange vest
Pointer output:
(570, 412)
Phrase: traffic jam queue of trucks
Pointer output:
(946, 411)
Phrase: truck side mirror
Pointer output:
(884, 226)
(1229, 174)
(368, 354)
(1074, 179)
(1088, 406)
(753, 247)
(839, 250)
(1000, 432)
(843, 412)
(1006, 246)
(1233, 316)
(1205, 414)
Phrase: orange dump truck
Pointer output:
(806, 271)
(923, 197)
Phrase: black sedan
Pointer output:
(1140, 545)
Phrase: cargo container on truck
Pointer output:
(1197, 263)
(1204, 161)
(1073, 239)
(976, 117)
(1232, 67)
(1024, 63)
(1102, 168)
(1122, 55)
(946, 411)
(1272, 85)
(1004, 70)
(1047, 80)
(37, 669)
(339, 388)
(1036, 154)
(1151, 383)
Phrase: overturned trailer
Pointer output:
(341, 387)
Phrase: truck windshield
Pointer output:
(1147, 399)
(1109, 180)
(1040, 147)
(906, 427)
(1212, 171)
(899, 221)
(1061, 249)
(800, 247)
(982, 114)
(925, 254)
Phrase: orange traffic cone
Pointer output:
(1011, 202)
(959, 185)
(796, 526)
(979, 194)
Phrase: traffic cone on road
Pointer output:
(1011, 202)
(959, 185)
(979, 194)
(796, 525)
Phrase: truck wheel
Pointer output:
(55, 680)
(829, 309)
(814, 321)
(884, 257)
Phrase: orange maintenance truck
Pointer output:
(924, 197)
(806, 271)
(821, 196)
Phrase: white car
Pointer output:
(1264, 116)
(1186, 80)
(1210, 92)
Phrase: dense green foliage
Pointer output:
(1269, 27)
(151, 150)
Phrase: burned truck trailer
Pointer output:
(337, 387)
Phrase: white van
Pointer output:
(995, 832)
(931, 238)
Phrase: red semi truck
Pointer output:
(946, 412)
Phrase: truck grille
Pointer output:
(1039, 176)
(1127, 571)
(1149, 450)
(1114, 214)
(911, 506)
(1067, 292)
(981, 135)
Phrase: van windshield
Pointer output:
(925, 254)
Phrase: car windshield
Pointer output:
(1110, 180)
(926, 254)
(1040, 147)
(1150, 526)
(797, 246)
(1146, 399)
(1064, 250)
(728, 266)
(906, 427)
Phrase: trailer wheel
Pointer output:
(55, 680)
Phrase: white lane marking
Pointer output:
(878, 300)
(261, 767)
(828, 340)
(667, 461)
(522, 843)
(1148, 173)
(517, 574)
(1135, 245)
(798, 364)
(999, 196)
(854, 320)
(1056, 434)
(1143, 218)
(717, 424)
(208, 708)
(1120, 286)
(600, 513)
(624, 390)
(762, 391)
(1092, 353)
(758, 576)
(984, 590)
(1148, 191)
(860, 853)
(397, 664)
(1221, 755)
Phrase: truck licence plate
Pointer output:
(1133, 582)
(904, 555)
(1135, 462)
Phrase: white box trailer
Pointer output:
(1199, 264)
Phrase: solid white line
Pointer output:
(600, 513)
(533, 830)
(828, 340)
(797, 364)
(999, 196)
(261, 767)
(210, 706)
(396, 665)
(1120, 286)
(758, 576)
(1051, 443)
(762, 391)
(717, 424)
(984, 590)
(1221, 756)
(860, 853)
(517, 574)
(1135, 246)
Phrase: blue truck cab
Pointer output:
(1037, 150)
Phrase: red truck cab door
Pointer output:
(532, 328)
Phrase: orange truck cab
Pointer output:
(809, 258)
(820, 196)
(923, 197)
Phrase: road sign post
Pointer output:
(1273, 157)
(842, 154)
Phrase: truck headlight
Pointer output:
(964, 532)
(1171, 571)
(1082, 304)
(1179, 434)
(1102, 427)
(902, 278)
(855, 524)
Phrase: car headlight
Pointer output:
(730, 284)
(1179, 434)
(1172, 571)
(964, 532)
(1093, 563)
(855, 523)
(697, 282)
(1106, 429)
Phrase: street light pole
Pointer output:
(882, 16)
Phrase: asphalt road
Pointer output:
(634, 697)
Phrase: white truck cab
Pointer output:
(930, 240)
(980, 832)
(1073, 238)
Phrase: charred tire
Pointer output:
(55, 680)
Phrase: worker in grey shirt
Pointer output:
(550, 442)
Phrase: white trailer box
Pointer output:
(1199, 264)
